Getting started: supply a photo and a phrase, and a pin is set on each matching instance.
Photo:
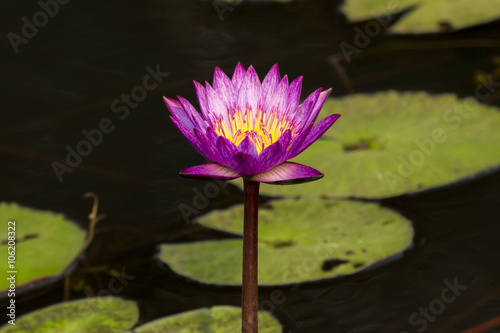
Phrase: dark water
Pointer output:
(66, 78)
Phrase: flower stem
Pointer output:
(250, 255)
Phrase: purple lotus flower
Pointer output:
(250, 129)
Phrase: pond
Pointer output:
(83, 112)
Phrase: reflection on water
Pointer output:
(65, 79)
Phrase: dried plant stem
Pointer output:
(250, 258)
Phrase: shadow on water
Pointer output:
(68, 77)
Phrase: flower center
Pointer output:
(263, 130)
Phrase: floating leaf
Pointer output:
(430, 15)
(90, 315)
(389, 143)
(45, 243)
(299, 240)
(218, 319)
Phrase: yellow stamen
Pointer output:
(262, 133)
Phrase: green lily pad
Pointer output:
(45, 243)
(237, 2)
(299, 240)
(218, 319)
(429, 16)
(389, 143)
(90, 315)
